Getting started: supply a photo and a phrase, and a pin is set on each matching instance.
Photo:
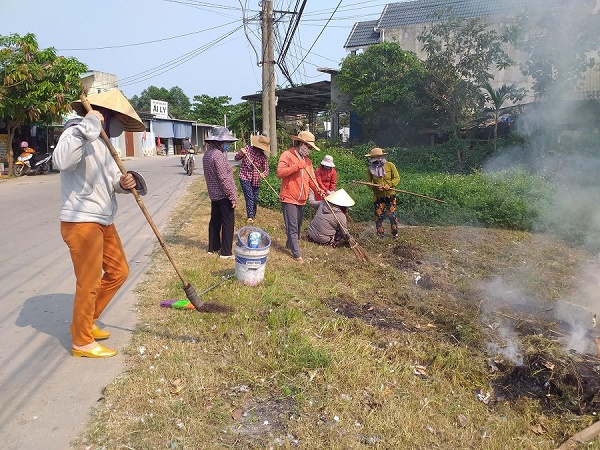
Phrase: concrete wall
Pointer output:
(406, 37)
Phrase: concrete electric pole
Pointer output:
(269, 111)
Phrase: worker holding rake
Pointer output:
(254, 167)
(297, 175)
(383, 177)
(89, 180)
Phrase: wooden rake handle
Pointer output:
(344, 230)
(366, 183)
(86, 104)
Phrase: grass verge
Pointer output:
(400, 352)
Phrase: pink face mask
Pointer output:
(304, 150)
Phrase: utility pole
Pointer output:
(269, 111)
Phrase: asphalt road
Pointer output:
(46, 394)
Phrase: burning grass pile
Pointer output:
(447, 338)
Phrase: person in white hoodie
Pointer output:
(90, 178)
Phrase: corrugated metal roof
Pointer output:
(396, 15)
(303, 99)
(363, 34)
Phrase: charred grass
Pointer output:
(409, 350)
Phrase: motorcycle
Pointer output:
(32, 162)
(189, 161)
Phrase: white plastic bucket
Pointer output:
(250, 262)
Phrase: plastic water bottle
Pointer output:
(254, 239)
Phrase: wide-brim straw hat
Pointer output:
(115, 101)
(262, 142)
(376, 152)
(307, 137)
(328, 161)
(340, 198)
(220, 134)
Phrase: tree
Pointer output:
(497, 98)
(35, 84)
(179, 103)
(385, 88)
(561, 48)
(211, 110)
(240, 118)
(460, 53)
(561, 44)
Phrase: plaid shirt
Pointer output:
(218, 175)
(247, 171)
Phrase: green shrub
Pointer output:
(512, 199)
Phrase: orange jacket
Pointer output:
(295, 182)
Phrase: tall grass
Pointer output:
(505, 200)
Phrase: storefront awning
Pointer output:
(163, 128)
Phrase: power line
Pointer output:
(203, 5)
(172, 64)
(289, 42)
(311, 47)
(146, 42)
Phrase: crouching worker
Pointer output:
(330, 224)
(90, 178)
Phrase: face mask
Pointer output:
(226, 146)
(115, 128)
(303, 150)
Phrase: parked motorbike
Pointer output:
(32, 162)
(189, 161)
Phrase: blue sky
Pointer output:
(199, 46)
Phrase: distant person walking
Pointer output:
(296, 172)
(254, 167)
(221, 191)
(384, 175)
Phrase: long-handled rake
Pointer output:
(190, 292)
(359, 252)
(400, 190)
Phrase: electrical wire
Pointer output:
(172, 64)
(146, 42)
(290, 43)
(311, 47)
(245, 23)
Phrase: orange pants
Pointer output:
(94, 249)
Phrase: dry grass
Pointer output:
(336, 353)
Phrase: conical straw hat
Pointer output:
(115, 101)
(340, 198)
